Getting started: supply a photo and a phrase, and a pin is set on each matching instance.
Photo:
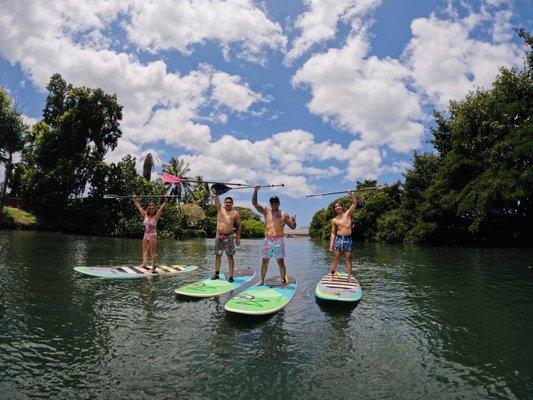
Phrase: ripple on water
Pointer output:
(433, 323)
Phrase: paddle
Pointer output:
(349, 191)
(115, 196)
(221, 188)
(173, 179)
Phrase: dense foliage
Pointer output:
(13, 133)
(476, 188)
(63, 176)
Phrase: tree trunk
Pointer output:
(7, 176)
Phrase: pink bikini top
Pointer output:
(148, 223)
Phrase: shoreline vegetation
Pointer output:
(475, 187)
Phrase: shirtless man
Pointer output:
(341, 236)
(273, 245)
(227, 218)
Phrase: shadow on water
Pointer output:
(336, 308)
(243, 321)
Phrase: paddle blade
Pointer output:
(168, 178)
(219, 188)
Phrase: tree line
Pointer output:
(475, 187)
(62, 175)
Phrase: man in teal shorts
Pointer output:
(273, 245)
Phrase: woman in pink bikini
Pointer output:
(151, 215)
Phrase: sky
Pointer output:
(314, 94)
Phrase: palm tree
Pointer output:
(148, 165)
(176, 167)
(180, 168)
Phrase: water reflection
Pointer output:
(433, 323)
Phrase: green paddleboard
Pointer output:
(135, 272)
(263, 299)
(337, 288)
(215, 287)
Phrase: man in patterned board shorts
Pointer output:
(227, 218)
(273, 245)
(341, 236)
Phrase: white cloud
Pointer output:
(502, 29)
(319, 23)
(364, 95)
(177, 25)
(447, 63)
(228, 90)
(158, 105)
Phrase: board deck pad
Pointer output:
(135, 272)
(263, 299)
(215, 287)
(337, 288)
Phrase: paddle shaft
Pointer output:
(114, 196)
(347, 191)
(252, 187)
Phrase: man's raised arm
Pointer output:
(257, 206)
(354, 204)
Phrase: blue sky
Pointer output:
(315, 94)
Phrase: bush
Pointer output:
(252, 228)
(391, 227)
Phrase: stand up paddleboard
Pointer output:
(215, 287)
(337, 288)
(135, 272)
(263, 299)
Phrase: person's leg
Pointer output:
(335, 261)
(264, 267)
(153, 252)
(348, 259)
(231, 264)
(145, 245)
(282, 270)
(218, 263)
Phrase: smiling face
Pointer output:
(228, 203)
(338, 207)
(151, 210)
(274, 205)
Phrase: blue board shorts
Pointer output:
(343, 243)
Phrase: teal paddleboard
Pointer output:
(337, 288)
(215, 287)
(135, 272)
(263, 299)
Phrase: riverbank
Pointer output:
(15, 218)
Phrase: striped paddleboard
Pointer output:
(263, 299)
(209, 287)
(337, 288)
(135, 272)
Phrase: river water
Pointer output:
(434, 323)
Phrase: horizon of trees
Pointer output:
(476, 188)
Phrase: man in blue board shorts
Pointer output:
(341, 236)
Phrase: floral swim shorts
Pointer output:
(224, 244)
(343, 243)
(273, 248)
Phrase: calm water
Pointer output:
(439, 323)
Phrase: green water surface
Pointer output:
(434, 323)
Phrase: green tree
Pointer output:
(13, 133)
(68, 146)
